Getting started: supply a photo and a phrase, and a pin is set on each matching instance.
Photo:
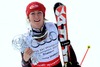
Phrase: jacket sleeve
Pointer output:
(24, 63)
(72, 58)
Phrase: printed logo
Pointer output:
(52, 36)
(34, 6)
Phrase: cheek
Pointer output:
(31, 19)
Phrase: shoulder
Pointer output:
(51, 27)
(50, 24)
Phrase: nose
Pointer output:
(36, 15)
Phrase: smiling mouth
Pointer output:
(36, 20)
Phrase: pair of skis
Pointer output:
(60, 12)
(61, 19)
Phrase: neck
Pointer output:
(37, 29)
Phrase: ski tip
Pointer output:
(56, 5)
(88, 46)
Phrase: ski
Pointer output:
(61, 19)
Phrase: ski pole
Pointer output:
(85, 55)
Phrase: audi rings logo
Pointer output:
(52, 36)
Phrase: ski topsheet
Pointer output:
(61, 19)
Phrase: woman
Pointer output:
(39, 46)
(44, 39)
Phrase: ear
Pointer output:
(28, 19)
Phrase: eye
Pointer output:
(32, 13)
(40, 12)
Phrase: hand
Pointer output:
(27, 54)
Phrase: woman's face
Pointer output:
(36, 19)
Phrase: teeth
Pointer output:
(36, 20)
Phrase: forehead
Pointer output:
(36, 11)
